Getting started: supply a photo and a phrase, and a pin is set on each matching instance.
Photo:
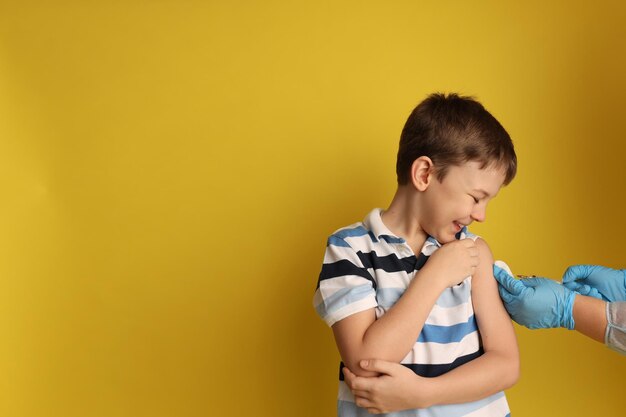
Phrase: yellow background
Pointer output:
(170, 170)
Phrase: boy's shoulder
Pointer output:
(484, 251)
(361, 236)
(347, 236)
(355, 229)
(359, 229)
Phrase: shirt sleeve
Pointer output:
(345, 286)
(615, 336)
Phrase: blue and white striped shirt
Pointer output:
(367, 266)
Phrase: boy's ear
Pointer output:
(422, 171)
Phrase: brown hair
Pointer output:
(450, 130)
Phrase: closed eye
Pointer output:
(476, 200)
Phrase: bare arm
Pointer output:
(590, 317)
(498, 368)
(391, 337)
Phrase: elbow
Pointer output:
(512, 380)
(354, 365)
(512, 374)
(508, 365)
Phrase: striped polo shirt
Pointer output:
(367, 266)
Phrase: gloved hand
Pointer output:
(597, 281)
(537, 303)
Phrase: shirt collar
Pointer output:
(374, 222)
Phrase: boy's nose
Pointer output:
(479, 213)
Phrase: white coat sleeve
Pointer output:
(615, 335)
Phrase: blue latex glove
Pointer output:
(537, 303)
(597, 281)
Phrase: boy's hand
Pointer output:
(398, 388)
(454, 262)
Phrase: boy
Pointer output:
(411, 285)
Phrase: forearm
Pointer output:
(590, 317)
(601, 321)
(393, 335)
(480, 378)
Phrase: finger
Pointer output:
(379, 365)
(373, 410)
(348, 377)
(506, 296)
(502, 265)
(577, 286)
(358, 383)
(577, 272)
(362, 394)
(507, 282)
(364, 402)
(584, 289)
(588, 291)
(593, 292)
(501, 272)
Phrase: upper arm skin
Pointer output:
(494, 323)
(349, 334)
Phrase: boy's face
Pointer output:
(459, 199)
